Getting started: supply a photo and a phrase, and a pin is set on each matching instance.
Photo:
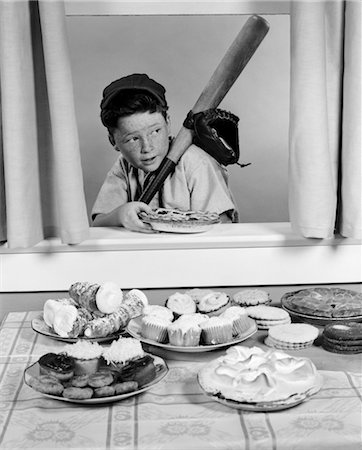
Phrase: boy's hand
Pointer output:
(128, 216)
(125, 216)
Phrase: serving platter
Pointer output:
(161, 372)
(134, 329)
(39, 326)
(291, 401)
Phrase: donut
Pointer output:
(58, 365)
(78, 393)
(100, 379)
(126, 386)
(79, 381)
(46, 385)
(104, 391)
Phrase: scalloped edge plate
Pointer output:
(180, 227)
(161, 372)
(39, 326)
(134, 329)
(279, 405)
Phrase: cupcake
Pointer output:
(181, 304)
(239, 318)
(196, 293)
(213, 304)
(122, 351)
(57, 365)
(251, 297)
(158, 311)
(126, 355)
(184, 333)
(86, 355)
(216, 331)
(154, 328)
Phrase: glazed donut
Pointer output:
(78, 393)
(104, 391)
(100, 379)
(79, 381)
(46, 385)
(126, 386)
(58, 365)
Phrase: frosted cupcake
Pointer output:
(158, 311)
(239, 318)
(181, 304)
(196, 293)
(86, 355)
(155, 328)
(123, 350)
(216, 331)
(213, 304)
(185, 331)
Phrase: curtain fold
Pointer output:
(325, 119)
(41, 183)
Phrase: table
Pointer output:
(175, 414)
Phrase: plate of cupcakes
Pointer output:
(87, 373)
(197, 320)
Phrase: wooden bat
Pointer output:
(224, 76)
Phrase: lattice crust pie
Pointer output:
(173, 220)
(324, 302)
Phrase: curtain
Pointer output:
(325, 119)
(41, 181)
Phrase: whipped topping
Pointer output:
(64, 319)
(194, 318)
(234, 312)
(84, 350)
(109, 297)
(213, 301)
(181, 303)
(158, 311)
(252, 375)
(123, 350)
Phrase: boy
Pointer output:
(134, 110)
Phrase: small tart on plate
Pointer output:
(213, 304)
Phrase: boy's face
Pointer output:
(142, 139)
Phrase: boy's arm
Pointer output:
(125, 216)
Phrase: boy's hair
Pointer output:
(130, 102)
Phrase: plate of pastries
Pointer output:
(91, 311)
(196, 320)
(177, 221)
(322, 305)
(88, 373)
(253, 379)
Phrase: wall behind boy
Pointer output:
(181, 52)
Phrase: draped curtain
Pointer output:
(41, 181)
(325, 119)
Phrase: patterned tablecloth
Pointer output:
(173, 415)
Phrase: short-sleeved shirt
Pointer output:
(198, 182)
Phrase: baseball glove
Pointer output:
(216, 132)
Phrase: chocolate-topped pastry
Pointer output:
(57, 365)
(141, 370)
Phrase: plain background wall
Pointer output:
(181, 52)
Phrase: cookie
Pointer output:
(251, 297)
(268, 316)
(77, 393)
(100, 379)
(46, 385)
(292, 336)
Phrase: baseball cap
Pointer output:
(135, 81)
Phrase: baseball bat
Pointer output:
(231, 65)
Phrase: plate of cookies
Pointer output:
(279, 380)
(198, 320)
(321, 305)
(177, 221)
(89, 374)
